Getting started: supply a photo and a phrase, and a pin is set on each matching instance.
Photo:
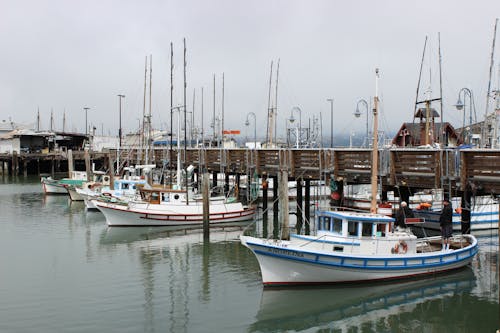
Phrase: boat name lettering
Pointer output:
(286, 252)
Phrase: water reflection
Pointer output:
(345, 308)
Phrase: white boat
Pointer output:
(123, 189)
(168, 207)
(353, 247)
(53, 186)
(484, 214)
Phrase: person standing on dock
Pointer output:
(445, 221)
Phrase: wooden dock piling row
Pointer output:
(412, 167)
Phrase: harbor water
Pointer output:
(63, 270)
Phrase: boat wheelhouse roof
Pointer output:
(358, 216)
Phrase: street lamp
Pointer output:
(331, 121)
(120, 119)
(86, 110)
(357, 113)
(461, 106)
(247, 123)
(299, 128)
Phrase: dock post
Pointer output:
(226, 182)
(276, 201)
(25, 168)
(87, 164)
(264, 205)
(307, 208)
(70, 162)
(283, 203)
(111, 172)
(14, 166)
(206, 205)
(214, 179)
(300, 206)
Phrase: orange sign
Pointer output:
(231, 132)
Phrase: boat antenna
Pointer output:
(373, 208)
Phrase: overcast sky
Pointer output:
(64, 55)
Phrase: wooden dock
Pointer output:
(411, 167)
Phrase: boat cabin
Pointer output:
(362, 233)
(350, 224)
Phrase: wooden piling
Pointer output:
(307, 208)
(206, 205)
(300, 206)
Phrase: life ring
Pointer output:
(401, 244)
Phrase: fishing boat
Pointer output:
(351, 247)
(53, 186)
(162, 206)
(483, 214)
(174, 205)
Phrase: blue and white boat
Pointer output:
(356, 247)
(349, 247)
(483, 214)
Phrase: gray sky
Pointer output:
(65, 55)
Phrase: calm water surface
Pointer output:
(63, 270)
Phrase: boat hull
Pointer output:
(52, 187)
(283, 263)
(118, 214)
(484, 219)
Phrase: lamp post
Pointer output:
(357, 113)
(299, 128)
(86, 110)
(461, 106)
(331, 121)
(120, 119)
(247, 123)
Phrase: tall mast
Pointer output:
(144, 107)
(489, 87)
(171, 107)
(222, 111)
(419, 79)
(38, 120)
(64, 121)
(51, 119)
(192, 119)
(213, 124)
(441, 134)
(185, 122)
(269, 132)
(149, 148)
(373, 207)
(276, 101)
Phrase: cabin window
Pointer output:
(352, 228)
(176, 197)
(154, 196)
(326, 224)
(366, 229)
(337, 226)
(338, 249)
(124, 186)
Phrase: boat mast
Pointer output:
(149, 147)
(269, 133)
(373, 208)
(484, 127)
(185, 123)
(171, 109)
(143, 109)
(276, 103)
